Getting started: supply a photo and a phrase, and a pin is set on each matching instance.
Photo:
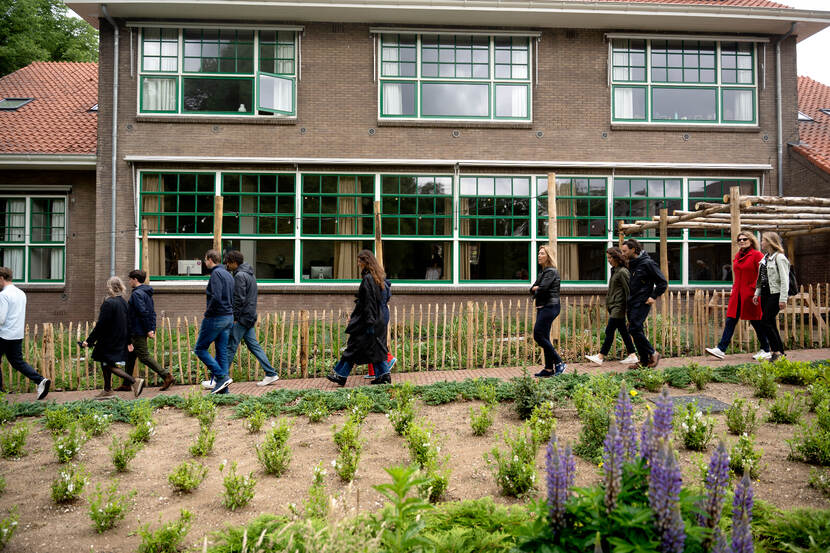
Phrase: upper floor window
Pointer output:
(218, 71)
(33, 237)
(683, 81)
(432, 76)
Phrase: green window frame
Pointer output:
(47, 220)
(33, 237)
(258, 204)
(454, 77)
(581, 205)
(416, 205)
(712, 191)
(337, 205)
(12, 219)
(494, 207)
(644, 197)
(221, 71)
(683, 81)
(177, 203)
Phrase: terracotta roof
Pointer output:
(58, 120)
(732, 3)
(814, 96)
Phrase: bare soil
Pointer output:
(46, 527)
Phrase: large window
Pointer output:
(218, 71)
(713, 191)
(581, 207)
(429, 76)
(638, 199)
(683, 81)
(33, 237)
(495, 207)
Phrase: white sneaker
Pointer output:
(594, 359)
(268, 380)
(631, 360)
(716, 352)
(208, 384)
(763, 356)
(43, 388)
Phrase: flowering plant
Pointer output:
(695, 429)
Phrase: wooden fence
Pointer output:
(430, 337)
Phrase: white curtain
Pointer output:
(55, 264)
(276, 93)
(624, 103)
(13, 259)
(57, 224)
(159, 95)
(285, 65)
(390, 62)
(15, 220)
(392, 99)
(741, 101)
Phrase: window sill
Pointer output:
(685, 127)
(41, 286)
(455, 124)
(214, 119)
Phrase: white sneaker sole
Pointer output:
(223, 387)
(715, 354)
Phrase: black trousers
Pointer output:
(612, 326)
(637, 315)
(541, 333)
(13, 350)
(769, 316)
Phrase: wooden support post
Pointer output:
(218, 207)
(664, 251)
(304, 343)
(378, 240)
(735, 218)
(145, 250)
(791, 249)
(552, 230)
(469, 364)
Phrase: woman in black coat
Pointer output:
(110, 339)
(545, 292)
(366, 328)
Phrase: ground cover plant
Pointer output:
(107, 507)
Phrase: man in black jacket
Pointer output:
(244, 314)
(141, 321)
(216, 325)
(647, 284)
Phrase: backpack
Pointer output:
(793, 288)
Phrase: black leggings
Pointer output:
(616, 324)
(541, 333)
(110, 369)
(769, 316)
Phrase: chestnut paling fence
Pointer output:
(427, 337)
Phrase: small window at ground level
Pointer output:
(14, 103)
(270, 259)
(417, 260)
(710, 262)
(497, 261)
(581, 262)
(332, 259)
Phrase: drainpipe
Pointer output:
(114, 133)
(779, 109)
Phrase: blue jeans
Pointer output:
(729, 330)
(343, 368)
(215, 330)
(239, 333)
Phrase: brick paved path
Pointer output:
(428, 377)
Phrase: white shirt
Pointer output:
(12, 313)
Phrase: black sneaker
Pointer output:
(337, 379)
(385, 378)
(560, 368)
(544, 373)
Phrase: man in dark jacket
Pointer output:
(244, 314)
(141, 321)
(216, 325)
(647, 284)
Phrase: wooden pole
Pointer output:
(378, 237)
(304, 342)
(664, 249)
(469, 335)
(218, 209)
(145, 250)
(734, 219)
(552, 230)
(791, 249)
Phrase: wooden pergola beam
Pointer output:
(785, 201)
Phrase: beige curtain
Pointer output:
(568, 261)
(345, 252)
(447, 274)
(567, 253)
(155, 248)
(463, 246)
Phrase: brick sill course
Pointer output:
(684, 128)
(456, 124)
(213, 120)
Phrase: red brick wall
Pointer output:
(812, 253)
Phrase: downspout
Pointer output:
(114, 133)
(779, 109)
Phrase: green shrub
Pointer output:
(595, 415)
(187, 476)
(695, 429)
(316, 408)
(402, 412)
(254, 421)
(527, 394)
(542, 423)
(349, 446)
(2, 485)
(423, 444)
(436, 482)
(69, 485)
(204, 442)
(7, 411)
(192, 403)
(107, 507)
(744, 458)
(486, 392)
(796, 531)
(140, 411)
(358, 406)
(481, 419)
(206, 413)
(57, 419)
(820, 480)
(143, 431)
(819, 391)
(13, 440)
(761, 377)
(403, 531)
(123, 452)
(741, 417)
(811, 442)
(799, 373)
(317, 504)
(95, 424)
(650, 379)
(168, 538)
(68, 445)
(239, 488)
(515, 468)
(8, 525)
(786, 409)
(274, 453)
(700, 375)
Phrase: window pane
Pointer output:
(218, 95)
(270, 259)
(158, 95)
(511, 101)
(675, 251)
(581, 261)
(455, 100)
(738, 105)
(417, 260)
(494, 261)
(276, 93)
(46, 220)
(710, 262)
(177, 256)
(398, 99)
(629, 103)
(330, 259)
(46, 264)
(681, 104)
(13, 258)
(12, 220)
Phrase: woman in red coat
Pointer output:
(745, 268)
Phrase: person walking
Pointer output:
(647, 284)
(12, 327)
(110, 339)
(217, 322)
(366, 328)
(616, 302)
(772, 290)
(245, 315)
(545, 292)
(141, 321)
(741, 307)
(390, 359)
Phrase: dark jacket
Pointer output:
(366, 328)
(141, 311)
(219, 301)
(548, 291)
(647, 280)
(618, 290)
(244, 296)
(110, 336)
(385, 296)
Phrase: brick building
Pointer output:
(48, 114)
(449, 113)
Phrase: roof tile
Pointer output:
(814, 96)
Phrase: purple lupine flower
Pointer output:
(663, 414)
(561, 472)
(624, 414)
(717, 478)
(718, 542)
(665, 482)
(612, 461)
(647, 442)
(742, 516)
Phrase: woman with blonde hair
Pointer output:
(110, 339)
(772, 290)
(741, 307)
(545, 292)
